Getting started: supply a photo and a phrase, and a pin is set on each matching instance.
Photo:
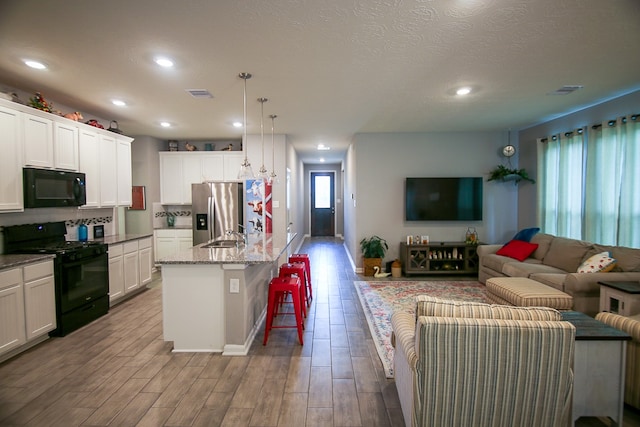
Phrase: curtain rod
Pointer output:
(612, 122)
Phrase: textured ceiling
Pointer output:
(330, 68)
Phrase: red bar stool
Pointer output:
(277, 287)
(307, 263)
(296, 269)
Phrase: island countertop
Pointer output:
(260, 248)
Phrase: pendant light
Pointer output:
(262, 173)
(273, 178)
(245, 168)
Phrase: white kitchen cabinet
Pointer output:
(168, 241)
(12, 323)
(11, 196)
(27, 305)
(89, 155)
(123, 153)
(116, 273)
(191, 173)
(213, 167)
(108, 171)
(131, 266)
(65, 144)
(232, 164)
(38, 141)
(178, 170)
(39, 299)
(145, 259)
(171, 183)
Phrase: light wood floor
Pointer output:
(118, 371)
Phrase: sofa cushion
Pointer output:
(517, 249)
(526, 234)
(601, 262)
(566, 254)
(554, 280)
(526, 269)
(543, 241)
(627, 259)
(433, 306)
(496, 262)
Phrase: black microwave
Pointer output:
(46, 188)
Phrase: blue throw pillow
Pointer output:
(526, 234)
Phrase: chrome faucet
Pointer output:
(237, 234)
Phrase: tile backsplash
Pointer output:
(181, 215)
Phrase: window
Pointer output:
(588, 183)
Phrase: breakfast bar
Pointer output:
(214, 297)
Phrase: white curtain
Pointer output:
(560, 186)
(589, 187)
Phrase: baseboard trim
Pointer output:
(243, 350)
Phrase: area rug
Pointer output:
(380, 299)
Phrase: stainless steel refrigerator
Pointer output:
(216, 207)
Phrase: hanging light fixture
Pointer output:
(245, 168)
(262, 173)
(273, 178)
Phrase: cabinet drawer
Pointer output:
(130, 247)
(10, 277)
(37, 271)
(115, 251)
(144, 243)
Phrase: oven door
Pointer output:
(82, 280)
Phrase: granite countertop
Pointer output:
(260, 248)
(121, 238)
(176, 227)
(16, 260)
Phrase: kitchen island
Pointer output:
(214, 299)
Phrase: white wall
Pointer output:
(381, 163)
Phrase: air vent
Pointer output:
(566, 90)
(200, 93)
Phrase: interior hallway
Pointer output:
(118, 370)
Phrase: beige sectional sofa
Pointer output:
(555, 263)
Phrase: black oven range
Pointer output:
(81, 271)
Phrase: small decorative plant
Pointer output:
(503, 173)
(373, 250)
(373, 247)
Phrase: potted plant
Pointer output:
(373, 250)
(503, 173)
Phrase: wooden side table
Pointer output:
(620, 297)
(599, 368)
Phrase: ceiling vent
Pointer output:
(566, 90)
(200, 93)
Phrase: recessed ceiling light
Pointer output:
(164, 62)
(463, 91)
(322, 147)
(35, 64)
(118, 102)
(165, 124)
(237, 124)
(321, 159)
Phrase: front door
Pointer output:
(322, 204)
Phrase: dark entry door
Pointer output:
(322, 204)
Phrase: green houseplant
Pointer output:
(373, 250)
(503, 173)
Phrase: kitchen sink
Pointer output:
(222, 244)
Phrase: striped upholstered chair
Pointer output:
(472, 364)
(630, 325)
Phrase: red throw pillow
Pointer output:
(518, 249)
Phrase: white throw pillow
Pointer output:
(598, 263)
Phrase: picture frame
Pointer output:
(138, 199)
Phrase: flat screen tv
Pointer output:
(443, 199)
